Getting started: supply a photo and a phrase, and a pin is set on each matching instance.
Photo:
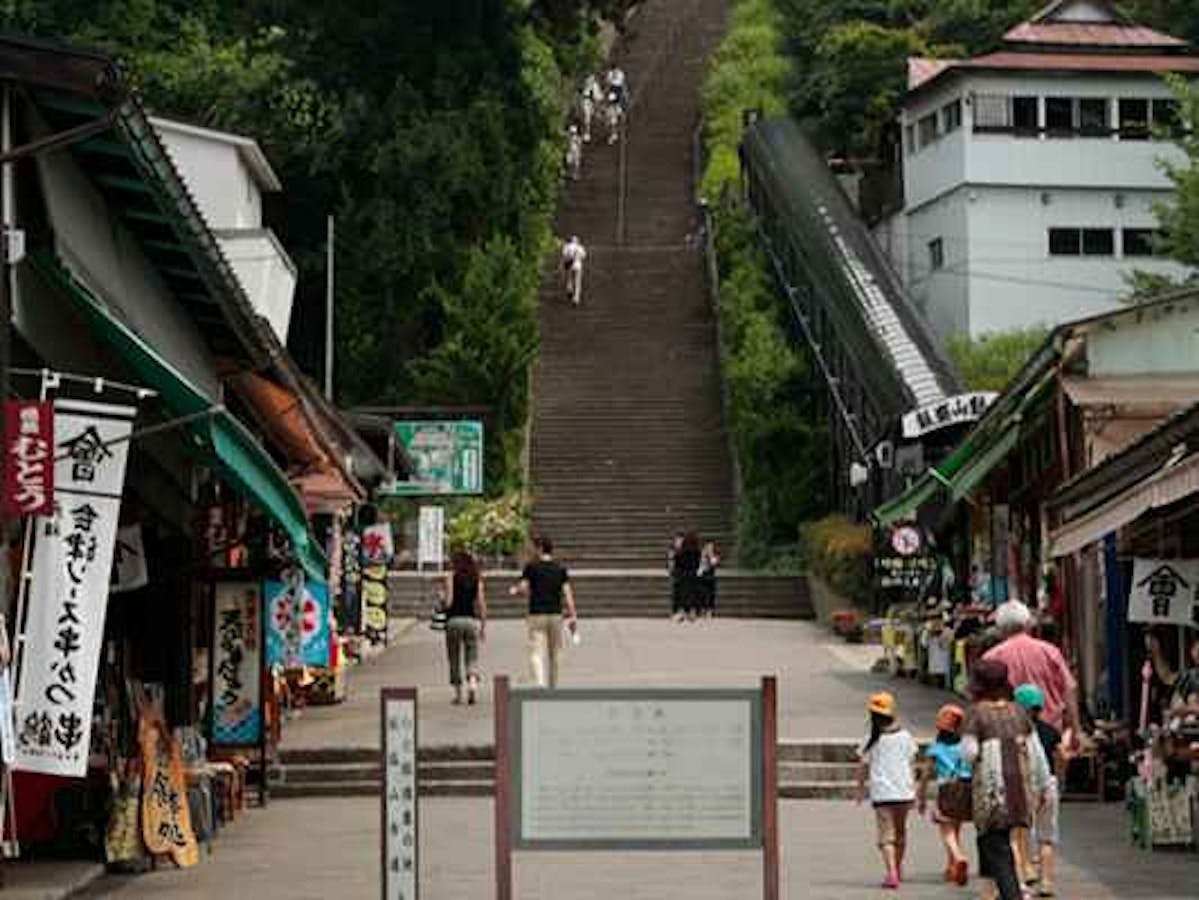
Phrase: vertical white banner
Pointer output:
(431, 546)
(68, 595)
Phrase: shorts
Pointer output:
(1045, 829)
(891, 822)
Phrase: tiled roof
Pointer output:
(1087, 34)
(922, 69)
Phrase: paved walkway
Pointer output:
(319, 849)
(823, 683)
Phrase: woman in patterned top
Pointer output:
(1010, 775)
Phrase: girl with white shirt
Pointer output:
(888, 756)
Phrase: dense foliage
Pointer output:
(779, 444)
(839, 552)
(430, 130)
(989, 362)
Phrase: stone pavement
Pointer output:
(321, 849)
(823, 683)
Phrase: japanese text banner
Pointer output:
(28, 448)
(68, 594)
(1164, 591)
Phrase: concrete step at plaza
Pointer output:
(634, 594)
(469, 771)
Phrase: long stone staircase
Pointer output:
(629, 442)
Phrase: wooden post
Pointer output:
(503, 794)
(770, 790)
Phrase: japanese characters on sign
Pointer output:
(29, 463)
(431, 543)
(1164, 591)
(638, 769)
(68, 599)
(446, 458)
(950, 411)
(237, 665)
(298, 632)
(400, 839)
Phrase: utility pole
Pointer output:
(329, 308)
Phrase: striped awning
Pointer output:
(1168, 486)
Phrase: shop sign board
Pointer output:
(1164, 591)
(944, 413)
(129, 571)
(236, 679)
(401, 815)
(29, 462)
(636, 769)
(68, 593)
(447, 458)
(297, 624)
(431, 543)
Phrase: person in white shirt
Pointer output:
(573, 254)
(613, 113)
(888, 756)
(617, 84)
(589, 98)
(574, 153)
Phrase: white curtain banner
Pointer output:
(68, 594)
(1164, 591)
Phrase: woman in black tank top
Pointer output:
(466, 614)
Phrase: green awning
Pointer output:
(972, 474)
(242, 461)
(905, 505)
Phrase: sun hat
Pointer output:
(1030, 696)
(950, 717)
(881, 703)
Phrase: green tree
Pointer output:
(989, 362)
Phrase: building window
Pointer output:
(1024, 115)
(951, 116)
(1093, 118)
(1167, 119)
(1082, 242)
(1134, 119)
(927, 128)
(1065, 242)
(1059, 116)
(909, 139)
(992, 112)
(936, 254)
(1098, 242)
(1140, 242)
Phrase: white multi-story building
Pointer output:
(1031, 174)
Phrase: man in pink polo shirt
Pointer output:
(1031, 660)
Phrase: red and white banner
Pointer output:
(68, 591)
(28, 463)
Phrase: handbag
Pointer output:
(438, 617)
(955, 799)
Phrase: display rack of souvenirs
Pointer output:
(1163, 796)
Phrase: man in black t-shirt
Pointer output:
(547, 585)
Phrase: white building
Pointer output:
(1031, 174)
(227, 174)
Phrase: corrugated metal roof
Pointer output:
(1084, 62)
(1090, 34)
(922, 69)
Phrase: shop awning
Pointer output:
(283, 418)
(906, 504)
(241, 459)
(1167, 486)
(980, 466)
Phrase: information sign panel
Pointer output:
(446, 457)
(636, 769)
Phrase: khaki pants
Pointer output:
(545, 645)
(462, 639)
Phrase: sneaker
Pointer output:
(961, 872)
(891, 882)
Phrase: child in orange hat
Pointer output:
(888, 755)
(943, 763)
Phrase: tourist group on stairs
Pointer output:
(692, 565)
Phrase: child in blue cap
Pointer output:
(1045, 819)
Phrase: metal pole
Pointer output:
(329, 309)
(770, 790)
(503, 792)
